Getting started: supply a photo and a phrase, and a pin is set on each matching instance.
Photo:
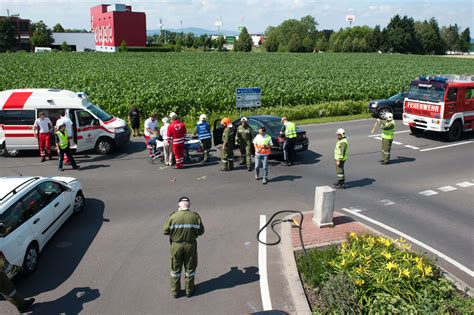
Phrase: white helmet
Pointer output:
(165, 120)
(243, 119)
(173, 115)
(203, 117)
(389, 116)
(341, 132)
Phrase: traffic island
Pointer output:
(351, 268)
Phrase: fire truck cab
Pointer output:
(440, 103)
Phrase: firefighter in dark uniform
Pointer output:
(388, 130)
(341, 152)
(244, 140)
(7, 288)
(183, 227)
(227, 151)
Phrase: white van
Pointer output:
(93, 128)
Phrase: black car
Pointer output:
(272, 125)
(394, 105)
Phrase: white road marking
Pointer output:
(447, 188)
(247, 243)
(403, 131)
(378, 138)
(411, 147)
(447, 146)
(465, 184)
(262, 267)
(415, 241)
(428, 193)
(397, 143)
(356, 209)
(387, 202)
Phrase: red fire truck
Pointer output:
(440, 103)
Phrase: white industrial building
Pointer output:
(76, 41)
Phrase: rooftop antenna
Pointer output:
(218, 23)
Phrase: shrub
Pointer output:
(338, 294)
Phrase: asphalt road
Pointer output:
(114, 259)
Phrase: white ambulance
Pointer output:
(92, 127)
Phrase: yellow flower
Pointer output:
(353, 235)
(343, 262)
(428, 270)
(407, 246)
(381, 239)
(344, 245)
(368, 257)
(360, 270)
(386, 255)
(359, 282)
(419, 265)
(380, 280)
(353, 253)
(417, 259)
(402, 240)
(406, 273)
(391, 265)
(387, 243)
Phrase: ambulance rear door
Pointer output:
(88, 130)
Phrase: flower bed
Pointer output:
(374, 274)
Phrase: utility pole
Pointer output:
(8, 13)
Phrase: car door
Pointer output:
(60, 197)
(88, 130)
(40, 215)
(217, 132)
(15, 232)
(398, 106)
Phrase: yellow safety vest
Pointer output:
(290, 130)
(63, 139)
(338, 151)
(388, 133)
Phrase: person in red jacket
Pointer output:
(177, 132)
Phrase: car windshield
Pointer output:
(426, 92)
(99, 112)
(272, 123)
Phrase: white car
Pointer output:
(32, 209)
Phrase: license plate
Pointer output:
(298, 147)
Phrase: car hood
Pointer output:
(381, 102)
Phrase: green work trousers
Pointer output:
(340, 172)
(227, 157)
(206, 145)
(386, 148)
(9, 292)
(183, 254)
(246, 152)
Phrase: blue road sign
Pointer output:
(248, 97)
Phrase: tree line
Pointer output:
(401, 35)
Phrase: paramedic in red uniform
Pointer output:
(177, 131)
(43, 127)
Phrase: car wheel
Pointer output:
(30, 262)
(382, 113)
(104, 146)
(79, 202)
(455, 131)
(416, 131)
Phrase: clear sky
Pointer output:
(255, 14)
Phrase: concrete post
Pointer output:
(324, 199)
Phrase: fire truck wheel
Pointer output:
(416, 131)
(104, 146)
(455, 131)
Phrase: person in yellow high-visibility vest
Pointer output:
(62, 143)
(341, 152)
(288, 131)
(388, 129)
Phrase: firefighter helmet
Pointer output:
(226, 121)
(243, 119)
(389, 116)
(203, 117)
(341, 132)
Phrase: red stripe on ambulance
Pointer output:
(17, 100)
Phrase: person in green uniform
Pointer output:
(244, 140)
(341, 151)
(227, 151)
(388, 129)
(183, 227)
(7, 288)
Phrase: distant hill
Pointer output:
(195, 30)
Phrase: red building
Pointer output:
(115, 23)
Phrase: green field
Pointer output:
(191, 83)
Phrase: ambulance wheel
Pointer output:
(415, 131)
(104, 146)
(455, 131)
